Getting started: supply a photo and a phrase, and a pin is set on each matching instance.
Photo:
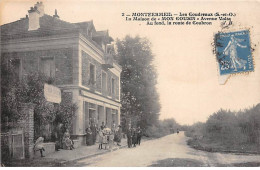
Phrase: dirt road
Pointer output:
(172, 149)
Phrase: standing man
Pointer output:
(129, 136)
(59, 136)
(134, 138)
(139, 135)
(102, 126)
(119, 135)
(113, 127)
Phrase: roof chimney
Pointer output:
(34, 17)
(56, 14)
(40, 8)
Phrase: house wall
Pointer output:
(72, 56)
(105, 104)
(31, 62)
(97, 86)
(100, 107)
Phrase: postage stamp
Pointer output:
(234, 52)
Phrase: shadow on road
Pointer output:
(184, 162)
(178, 162)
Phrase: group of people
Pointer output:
(64, 142)
(107, 137)
(134, 136)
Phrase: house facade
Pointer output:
(76, 55)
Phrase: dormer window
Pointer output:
(89, 33)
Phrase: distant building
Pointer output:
(75, 54)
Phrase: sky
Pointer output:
(187, 69)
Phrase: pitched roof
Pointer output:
(15, 27)
(52, 26)
(48, 26)
(49, 22)
(87, 25)
(102, 35)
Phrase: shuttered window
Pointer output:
(47, 67)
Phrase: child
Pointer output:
(38, 146)
(100, 139)
(105, 137)
(106, 140)
(111, 140)
(68, 143)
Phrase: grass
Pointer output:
(213, 146)
(247, 164)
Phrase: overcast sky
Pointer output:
(188, 74)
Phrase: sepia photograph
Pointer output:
(130, 83)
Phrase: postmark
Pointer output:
(234, 52)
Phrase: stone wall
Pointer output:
(26, 122)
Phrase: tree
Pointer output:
(15, 92)
(140, 100)
(170, 124)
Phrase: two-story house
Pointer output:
(76, 55)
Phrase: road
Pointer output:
(171, 148)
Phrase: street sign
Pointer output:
(52, 93)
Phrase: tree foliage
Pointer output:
(30, 89)
(230, 128)
(9, 94)
(140, 100)
(163, 128)
(65, 111)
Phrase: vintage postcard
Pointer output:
(114, 83)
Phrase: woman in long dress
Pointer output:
(89, 137)
(231, 50)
